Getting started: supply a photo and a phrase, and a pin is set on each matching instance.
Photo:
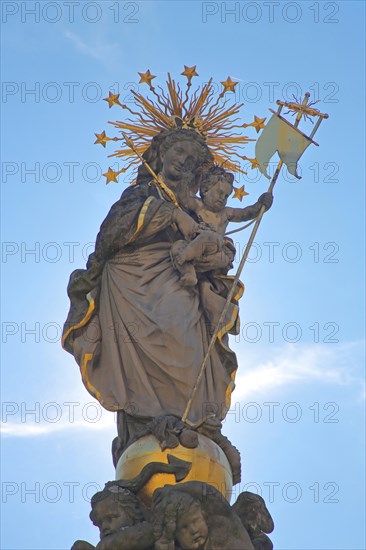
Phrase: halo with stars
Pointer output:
(215, 119)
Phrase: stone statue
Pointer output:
(138, 335)
(188, 516)
(151, 313)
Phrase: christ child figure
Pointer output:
(214, 216)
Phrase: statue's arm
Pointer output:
(243, 214)
(154, 216)
(164, 216)
(135, 218)
(249, 212)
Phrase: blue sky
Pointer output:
(298, 409)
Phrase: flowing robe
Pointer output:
(137, 334)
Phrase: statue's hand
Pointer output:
(187, 226)
(183, 194)
(266, 200)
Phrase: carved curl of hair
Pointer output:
(124, 500)
(163, 141)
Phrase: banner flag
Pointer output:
(281, 136)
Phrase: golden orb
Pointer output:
(209, 464)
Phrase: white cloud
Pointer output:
(327, 364)
(291, 364)
(65, 423)
(99, 49)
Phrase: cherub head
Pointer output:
(113, 509)
(180, 519)
(216, 187)
(192, 530)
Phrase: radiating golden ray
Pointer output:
(135, 128)
(215, 120)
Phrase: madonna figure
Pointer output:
(137, 332)
(138, 335)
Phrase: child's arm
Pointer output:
(249, 212)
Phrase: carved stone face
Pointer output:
(216, 196)
(179, 158)
(109, 516)
(192, 530)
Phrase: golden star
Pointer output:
(258, 123)
(146, 78)
(111, 175)
(189, 72)
(239, 193)
(112, 99)
(102, 138)
(229, 85)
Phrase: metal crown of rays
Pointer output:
(174, 107)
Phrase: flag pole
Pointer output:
(241, 265)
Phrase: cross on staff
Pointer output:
(281, 136)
